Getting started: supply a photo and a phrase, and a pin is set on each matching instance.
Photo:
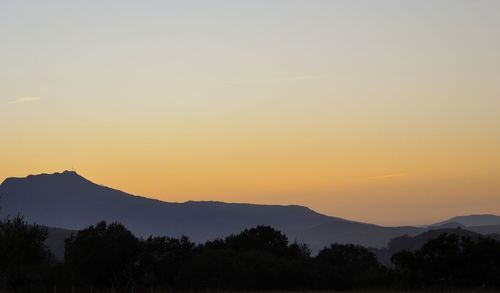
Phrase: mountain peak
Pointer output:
(69, 172)
(64, 175)
(68, 200)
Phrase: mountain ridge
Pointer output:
(472, 220)
(70, 201)
(74, 173)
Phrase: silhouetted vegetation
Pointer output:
(108, 256)
(25, 261)
(102, 255)
(346, 267)
(450, 262)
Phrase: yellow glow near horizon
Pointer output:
(387, 112)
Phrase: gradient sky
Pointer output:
(379, 111)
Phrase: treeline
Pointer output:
(109, 257)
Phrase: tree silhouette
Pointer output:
(347, 266)
(102, 255)
(160, 260)
(450, 261)
(24, 258)
(108, 256)
(255, 259)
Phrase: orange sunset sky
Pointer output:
(379, 111)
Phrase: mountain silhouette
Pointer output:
(69, 201)
(55, 241)
(413, 243)
(368, 235)
(473, 220)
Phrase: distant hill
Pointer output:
(447, 225)
(488, 229)
(368, 235)
(472, 220)
(414, 242)
(55, 241)
(407, 242)
(69, 201)
(482, 224)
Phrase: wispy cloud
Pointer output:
(25, 100)
(389, 176)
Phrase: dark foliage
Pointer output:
(346, 267)
(258, 258)
(160, 260)
(24, 258)
(450, 262)
(107, 256)
(102, 255)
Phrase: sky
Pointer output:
(380, 111)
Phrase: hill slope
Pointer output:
(412, 243)
(472, 220)
(69, 201)
(358, 233)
